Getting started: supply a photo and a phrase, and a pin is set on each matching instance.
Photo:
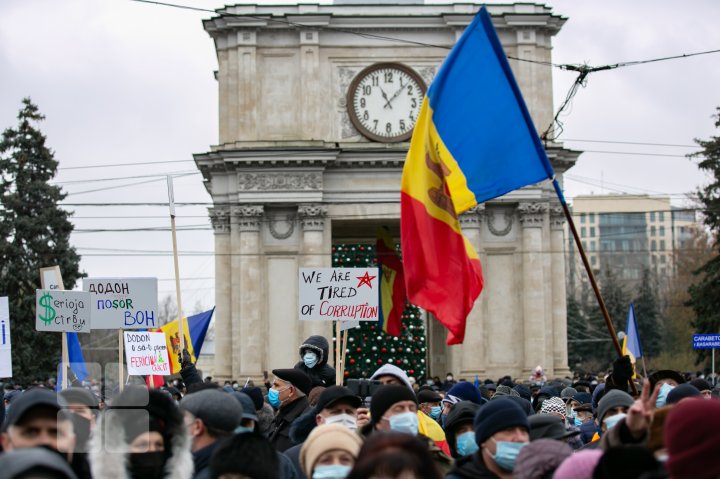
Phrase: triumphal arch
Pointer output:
(309, 156)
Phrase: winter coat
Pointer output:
(109, 448)
(321, 374)
(280, 428)
(470, 467)
(463, 412)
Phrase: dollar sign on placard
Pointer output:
(49, 311)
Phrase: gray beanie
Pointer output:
(218, 410)
(612, 399)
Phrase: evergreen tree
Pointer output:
(705, 292)
(647, 314)
(368, 346)
(34, 233)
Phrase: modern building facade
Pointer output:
(296, 170)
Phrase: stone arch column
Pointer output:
(532, 219)
(249, 331)
(559, 299)
(220, 219)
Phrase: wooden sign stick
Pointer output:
(171, 197)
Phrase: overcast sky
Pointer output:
(123, 82)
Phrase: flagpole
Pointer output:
(591, 276)
(171, 198)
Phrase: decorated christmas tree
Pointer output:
(369, 347)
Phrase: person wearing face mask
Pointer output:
(84, 408)
(611, 413)
(460, 431)
(288, 396)
(329, 452)
(336, 405)
(394, 408)
(142, 435)
(429, 403)
(501, 431)
(313, 361)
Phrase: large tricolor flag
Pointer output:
(392, 283)
(474, 140)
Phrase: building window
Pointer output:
(662, 231)
(652, 231)
(654, 259)
(662, 259)
(592, 246)
(592, 231)
(653, 245)
(582, 218)
(661, 216)
(662, 245)
(652, 216)
(592, 217)
(663, 271)
(584, 245)
(593, 260)
(583, 232)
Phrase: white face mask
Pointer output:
(346, 420)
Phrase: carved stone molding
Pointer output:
(248, 217)
(312, 217)
(220, 219)
(280, 181)
(557, 218)
(532, 215)
(492, 221)
(284, 232)
(473, 217)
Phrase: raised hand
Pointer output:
(639, 416)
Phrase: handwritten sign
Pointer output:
(5, 346)
(58, 310)
(123, 303)
(339, 294)
(146, 353)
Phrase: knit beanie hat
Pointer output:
(523, 391)
(505, 391)
(466, 391)
(681, 392)
(614, 398)
(579, 465)
(496, 416)
(692, 439)
(554, 405)
(701, 384)
(385, 397)
(328, 437)
(540, 458)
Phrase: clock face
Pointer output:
(384, 101)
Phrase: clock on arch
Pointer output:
(384, 101)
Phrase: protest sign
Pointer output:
(51, 278)
(339, 294)
(58, 310)
(5, 345)
(146, 354)
(123, 303)
(706, 341)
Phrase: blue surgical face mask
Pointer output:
(310, 359)
(577, 421)
(613, 420)
(243, 429)
(331, 471)
(435, 412)
(406, 422)
(506, 453)
(274, 398)
(662, 396)
(465, 443)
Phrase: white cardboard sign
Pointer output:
(339, 294)
(5, 345)
(146, 353)
(62, 311)
(123, 303)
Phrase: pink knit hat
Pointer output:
(580, 465)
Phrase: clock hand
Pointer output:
(395, 95)
(386, 98)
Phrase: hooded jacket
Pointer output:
(322, 374)
(462, 412)
(109, 447)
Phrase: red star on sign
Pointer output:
(365, 280)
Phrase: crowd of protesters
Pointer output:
(299, 424)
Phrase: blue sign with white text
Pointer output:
(706, 341)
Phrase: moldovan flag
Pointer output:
(474, 140)
(392, 283)
(195, 327)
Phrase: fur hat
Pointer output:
(327, 437)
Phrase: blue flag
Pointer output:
(198, 326)
(633, 338)
(77, 362)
